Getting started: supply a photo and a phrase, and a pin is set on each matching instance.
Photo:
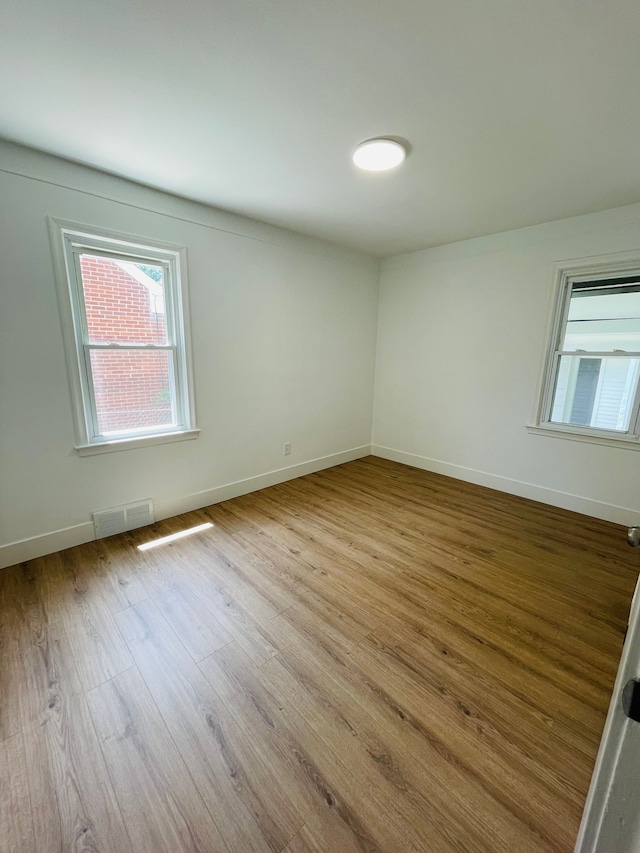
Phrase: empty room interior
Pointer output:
(319, 426)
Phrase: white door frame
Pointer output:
(611, 813)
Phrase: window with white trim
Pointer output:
(126, 336)
(592, 383)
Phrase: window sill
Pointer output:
(587, 437)
(132, 443)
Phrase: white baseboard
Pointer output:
(58, 540)
(47, 543)
(176, 506)
(564, 500)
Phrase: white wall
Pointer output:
(283, 333)
(462, 334)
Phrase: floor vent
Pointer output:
(121, 518)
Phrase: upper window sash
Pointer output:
(75, 251)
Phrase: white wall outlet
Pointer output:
(287, 448)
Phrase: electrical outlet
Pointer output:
(287, 448)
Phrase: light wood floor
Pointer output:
(372, 658)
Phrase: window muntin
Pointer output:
(594, 367)
(129, 368)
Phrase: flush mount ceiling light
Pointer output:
(378, 155)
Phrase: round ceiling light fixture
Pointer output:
(378, 155)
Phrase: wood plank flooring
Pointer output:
(371, 659)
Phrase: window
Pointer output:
(124, 323)
(591, 385)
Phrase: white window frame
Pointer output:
(565, 275)
(69, 240)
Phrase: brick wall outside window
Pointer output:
(131, 388)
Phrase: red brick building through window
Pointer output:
(124, 304)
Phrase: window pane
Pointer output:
(132, 389)
(124, 301)
(603, 321)
(595, 392)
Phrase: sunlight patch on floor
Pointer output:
(173, 536)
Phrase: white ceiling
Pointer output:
(517, 111)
